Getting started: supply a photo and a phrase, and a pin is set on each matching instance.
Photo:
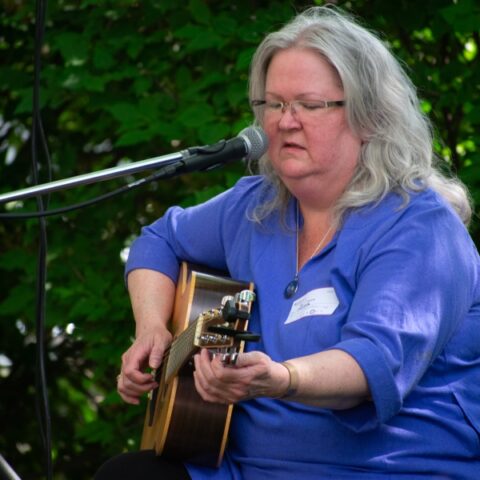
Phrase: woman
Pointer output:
(367, 279)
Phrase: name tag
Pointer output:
(321, 301)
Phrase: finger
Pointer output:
(200, 386)
(248, 378)
(205, 381)
(215, 382)
(212, 394)
(128, 386)
(137, 377)
(129, 399)
(157, 353)
(132, 364)
(134, 389)
(203, 375)
(216, 373)
(137, 355)
(248, 359)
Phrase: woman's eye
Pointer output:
(274, 105)
(309, 106)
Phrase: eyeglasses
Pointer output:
(302, 109)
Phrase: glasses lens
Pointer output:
(303, 110)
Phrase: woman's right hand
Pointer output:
(146, 351)
(152, 295)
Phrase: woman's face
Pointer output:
(312, 150)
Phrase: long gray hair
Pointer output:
(382, 108)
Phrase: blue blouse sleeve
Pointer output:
(195, 234)
(416, 275)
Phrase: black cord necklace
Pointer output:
(292, 287)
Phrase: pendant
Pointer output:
(291, 288)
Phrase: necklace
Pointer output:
(292, 287)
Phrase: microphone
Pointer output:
(250, 144)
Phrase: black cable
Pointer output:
(42, 403)
(39, 143)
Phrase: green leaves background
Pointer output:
(127, 80)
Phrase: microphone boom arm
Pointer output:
(250, 144)
(93, 177)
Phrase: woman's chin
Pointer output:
(292, 168)
(294, 171)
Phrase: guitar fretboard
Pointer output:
(184, 346)
(180, 350)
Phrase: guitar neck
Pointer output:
(195, 336)
(181, 349)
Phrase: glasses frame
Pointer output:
(291, 105)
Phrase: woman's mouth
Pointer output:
(292, 146)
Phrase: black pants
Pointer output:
(143, 464)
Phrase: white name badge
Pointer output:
(321, 301)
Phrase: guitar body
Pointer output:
(179, 424)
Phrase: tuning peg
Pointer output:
(236, 334)
(231, 313)
(248, 337)
(230, 332)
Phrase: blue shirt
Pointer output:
(407, 282)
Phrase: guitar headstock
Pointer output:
(204, 338)
(220, 327)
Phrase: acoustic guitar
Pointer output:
(210, 311)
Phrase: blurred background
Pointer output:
(122, 81)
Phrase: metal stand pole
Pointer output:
(99, 176)
(6, 471)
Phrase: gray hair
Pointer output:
(382, 108)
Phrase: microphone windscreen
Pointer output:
(256, 141)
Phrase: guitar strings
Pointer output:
(187, 337)
(180, 341)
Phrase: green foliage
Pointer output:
(125, 80)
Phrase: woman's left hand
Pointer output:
(254, 374)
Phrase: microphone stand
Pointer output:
(98, 176)
(6, 471)
(192, 159)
